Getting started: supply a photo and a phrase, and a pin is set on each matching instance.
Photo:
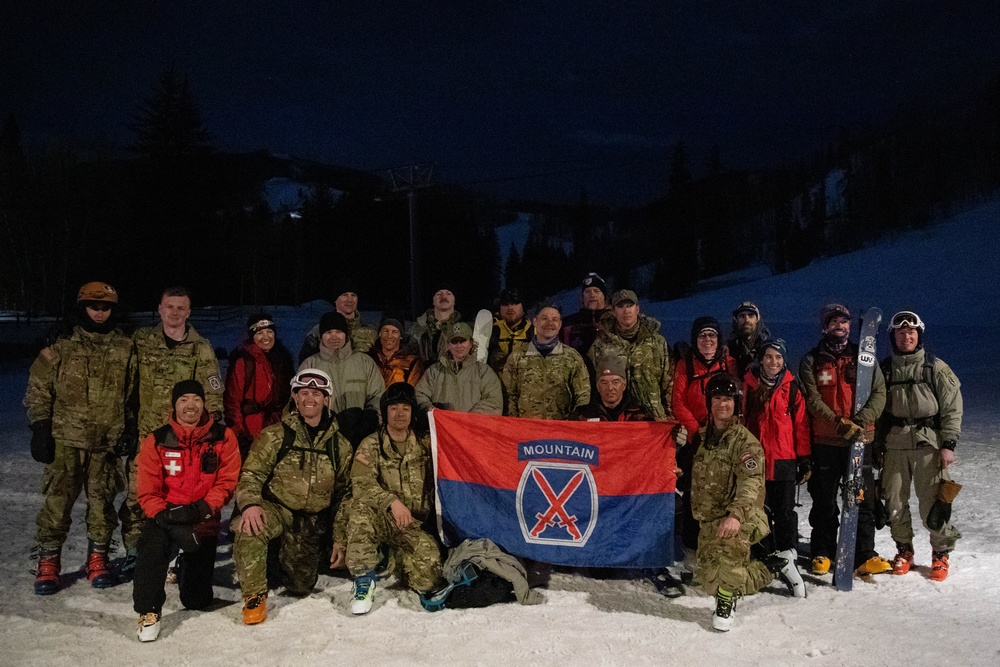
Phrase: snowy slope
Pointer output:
(947, 274)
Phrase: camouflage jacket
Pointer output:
(727, 479)
(431, 335)
(306, 479)
(382, 473)
(550, 387)
(161, 367)
(84, 383)
(357, 381)
(646, 359)
(468, 387)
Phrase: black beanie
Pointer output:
(333, 320)
(186, 387)
(702, 323)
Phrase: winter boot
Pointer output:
(364, 593)
(98, 568)
(149, 627)
(820, 565)
(903, 561)
(788, 572)
(725, 610)
(939, 565)
(874, 565)
(47, 572)
(255, 609)
(126, 571)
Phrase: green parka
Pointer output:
(646, 359)
(549, 387)
(916, 412)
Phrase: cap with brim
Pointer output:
(609, 366)
(460, 331)
(747, 307)
(624, 296)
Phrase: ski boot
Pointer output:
(98, 568)
(903, 561)
(149, 627)
(725, 610)
(939, 565)
(788, 572)
(364, 593)
(255, 609)
(47, 572)
(820, 565)
(874, 565)
(436, 601)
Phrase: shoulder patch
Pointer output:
(748, 461)
(214, 382)
(361, 458)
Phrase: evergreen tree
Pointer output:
(169, 125)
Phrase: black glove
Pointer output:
(43, 445)
(803, 469)
(182, 534)
(128, 443)
(185, 514)
(939, 515)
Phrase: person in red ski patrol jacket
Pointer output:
(775, 413)
(187, 472)
(257, 388)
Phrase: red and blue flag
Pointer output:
(576, 493)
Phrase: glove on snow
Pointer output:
(43, 445)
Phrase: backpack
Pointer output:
(927, 377)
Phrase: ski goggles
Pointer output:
(313, 379)
(906, 318)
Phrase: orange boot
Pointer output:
(939, 565)
(255, 609)
(903, 561)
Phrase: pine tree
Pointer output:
(169, 125)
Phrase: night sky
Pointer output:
(529, 99)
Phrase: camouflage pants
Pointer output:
(298, 552)
(416, 551)
(98, 475)
(130, 513)
(920, 467)
(725, 562)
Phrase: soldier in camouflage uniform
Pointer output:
(295, 479)
(430, 331)
(362, 336)
(634, 338)
(727, 483)
(78, 389)
(392, 504)
(168, 353)
(546, 379)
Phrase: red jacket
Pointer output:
(690, 377)
(170, 467)
(782, 428)
(251, 403)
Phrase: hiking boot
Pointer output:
(98, 567)
(788, 572)
(47, 572)
(725, 610)
(903, 561)
(874, 565)
(820, 565)
(149, 627)
(255, 609)
(364, 593)
(126, 571)
(939, 565)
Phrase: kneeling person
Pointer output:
(187, 471)
(727, 498)
(293, 481)
(392, 499)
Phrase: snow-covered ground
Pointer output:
(947, 274)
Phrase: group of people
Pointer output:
(330, 463)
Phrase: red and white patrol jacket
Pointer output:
(781, 425)
(171, 467)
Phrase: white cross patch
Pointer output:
(825, 378)
(173, 468)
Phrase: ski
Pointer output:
(853, 486)
(481, 333)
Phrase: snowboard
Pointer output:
(481, 332)
(853, 487)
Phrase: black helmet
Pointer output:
(722, 384)
(397, 392)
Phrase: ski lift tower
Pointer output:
(409, 180)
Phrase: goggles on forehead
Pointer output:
(312, 379)
(260, 325)
(906, 318)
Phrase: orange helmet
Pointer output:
(97, 291)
